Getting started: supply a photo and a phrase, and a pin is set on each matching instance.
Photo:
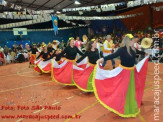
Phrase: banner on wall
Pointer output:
(55, 24)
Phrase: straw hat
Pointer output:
(71, 38)
(146, 43)
(54, 40)
(93, 40)
(130, 36)
(85, 38)
(44, 45)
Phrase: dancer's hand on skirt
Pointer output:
(75, 63)
(101, 60)
(146, 54)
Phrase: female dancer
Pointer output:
(50, 48)
(121, 90)
(83, 76)
(56, 56)
(33, 55)
(43, 64)
(63, 73)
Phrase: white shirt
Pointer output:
(79, 44)
(98, 46)
(1, 50)
(39, 49)
(137, 46)
(25, 55)
(106, 48)
(152, 52)
(55, 46)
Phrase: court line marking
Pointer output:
(83, 110)
(38, 111)
(25, 86)
(139, 115)
(141, 118)
(153, 82)
(44, 109)
(13, 74)
(56, 103)
(155, 74)
(18, 120)
(7, 75)
(88, 107)
(151, 88)
(92, 105)
(69, 97)
(19, 74)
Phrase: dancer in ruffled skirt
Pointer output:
(63, 73)
(121, 90)
(33, 55)
(83, 76)
(43, 64)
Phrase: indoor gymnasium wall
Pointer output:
(43, 36)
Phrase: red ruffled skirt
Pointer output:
(42, 66)
(62, 73)
(82, 76)
(121, 90)
(32, 58)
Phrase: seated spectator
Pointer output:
(5, 51)
(26, 56)
(14, 48)
(20, 57)
(1, 49)
(20, 48)
(2, 59)
(9, 57)
(13, 54)
(27, 47)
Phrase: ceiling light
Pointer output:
(80, 12)
(77, 2)
(58, 12)
(98, 10)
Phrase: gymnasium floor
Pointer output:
(25, 90)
